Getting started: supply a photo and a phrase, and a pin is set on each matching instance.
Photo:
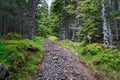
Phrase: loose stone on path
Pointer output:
(61, 64)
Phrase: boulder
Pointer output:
(4, 72)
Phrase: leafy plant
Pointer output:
(111, 58)
(92, 49)
(13, 36)
(53, 38)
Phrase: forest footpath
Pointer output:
(61, 64)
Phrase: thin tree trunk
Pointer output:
(32, 7)
(116, 30)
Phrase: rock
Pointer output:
(85, 77)
(55, 58)
(72, 79)
(4, 72)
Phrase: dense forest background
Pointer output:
(82, 21)
(91, 21)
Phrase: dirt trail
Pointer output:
(61, 64)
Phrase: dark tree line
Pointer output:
(18, 16)
(89, 20)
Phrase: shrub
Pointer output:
(112, 58)
(53, 38)
(92, 49)
(1, 37)
(13, 36)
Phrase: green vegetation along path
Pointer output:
(61, 64)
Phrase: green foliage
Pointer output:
(92, 49)
(57, 6)
(46, 24)
(13, 36)
(39, 39)
(21, 57)
(91, 16)
(53, 38)
(70, 9)
(89, 32)
(65, 12)
(1, 37)
(115, 14)
(112, 58)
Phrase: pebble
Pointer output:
(55, 58)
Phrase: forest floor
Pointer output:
(62, 64)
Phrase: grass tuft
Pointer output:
(21, 56)
(53, 38)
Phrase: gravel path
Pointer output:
(61, 64)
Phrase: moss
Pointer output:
(53, 38)
(13, 36)
(18, 57)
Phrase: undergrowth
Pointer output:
(21, 56)
(104, 61)
(53, 38)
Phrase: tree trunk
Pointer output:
(32, 7)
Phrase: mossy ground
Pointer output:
(104, 61)
(21, 56)
(53, 38)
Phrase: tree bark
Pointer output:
(32, 7)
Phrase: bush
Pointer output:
(13, 36)
(1, 37)
(112, 58)
(92, 49)
(39, 39)
(53, 38)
